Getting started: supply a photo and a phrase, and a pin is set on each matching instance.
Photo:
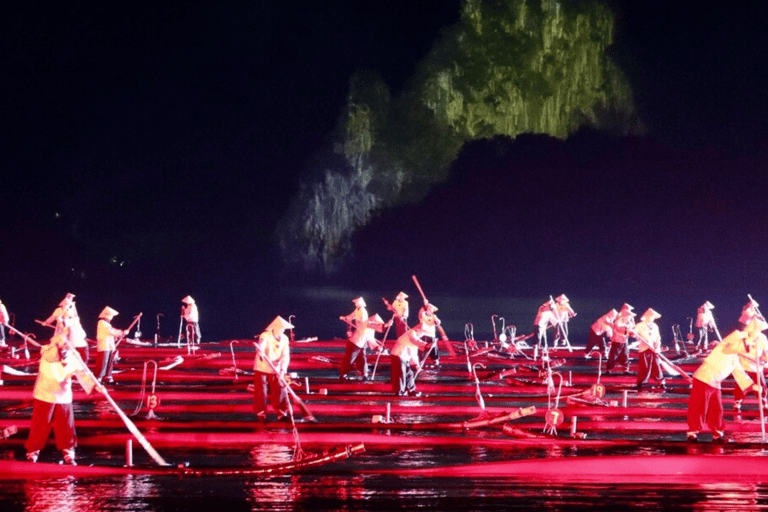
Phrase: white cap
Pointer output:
(561, 298)
(359, 302)
(108, 313)
(401, 296)
(708, 305)
(279, 324)
(67, 300)
(188, 300)
(650, 315)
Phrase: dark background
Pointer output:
(148, 152)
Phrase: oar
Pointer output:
(673, 366)
(307, 413)
(135, 319)
(128, 423)
(669, 365)
(27, 339)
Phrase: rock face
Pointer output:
(508, 67)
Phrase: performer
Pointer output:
(650, 346)
(706, 400)
(545, 317)
(748, 312)
(705, 322)
(563, 313)
(600, 334)
(399, 308)
(622, 328)
(272, 346)
(404, 358)
(429, 321)
(354, 353)
(191, 316)
(77, 335)
(52, 399)
(4, 320)
(65, 309)
(757, 345)
(106, 337)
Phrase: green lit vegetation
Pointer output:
(508, 67)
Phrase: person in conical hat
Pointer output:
(748, 312)
(400, 311)
(563, 313)
(52, 400)
(545, 318)
(106, 343)
(622, 330)
(705, 322)
(648, 350)
(600, 333)
(354, 352)
(757, 346)
(4, 320)
(270, 366)
(430, 323)
(404, 360)
(705, 405)
(191, 317)
(66, 309)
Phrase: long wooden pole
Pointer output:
(307, 413)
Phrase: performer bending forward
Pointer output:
(272, 347)
(52, 404)
(649, 349)
(405, 361)
(706, 402)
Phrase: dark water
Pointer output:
(337, 491)
(343, 486)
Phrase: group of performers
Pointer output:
(415, 347)
(741, 354)
(67, 356)
(555, 313)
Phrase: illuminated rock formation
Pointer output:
(508, 67)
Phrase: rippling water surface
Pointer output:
(343, 486)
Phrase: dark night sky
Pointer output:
(171, 137)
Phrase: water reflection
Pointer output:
(71, 494)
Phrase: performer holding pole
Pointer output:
(354, 352)
(650, 347)
(191, 316)
(269, 369)
(399, 309)
(404, 359)
(106, 343)
(705, 322)
(706, 401)
(623, 327)
(432, 320)
(545, 318)
(563, 313)
(598, 332)
(754, 360)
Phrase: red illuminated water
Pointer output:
(360, 483)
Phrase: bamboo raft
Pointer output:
(200, 398)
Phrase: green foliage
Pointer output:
(516, 66)
(508, 67)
